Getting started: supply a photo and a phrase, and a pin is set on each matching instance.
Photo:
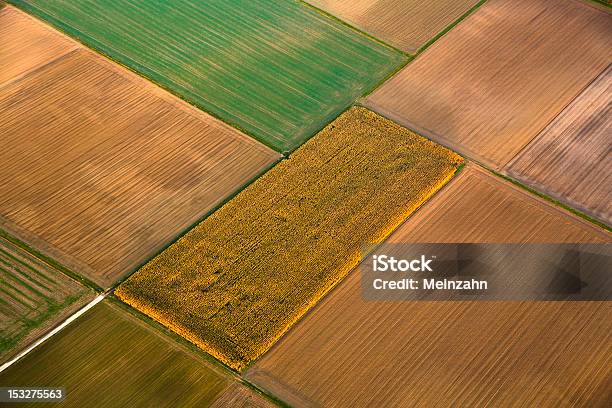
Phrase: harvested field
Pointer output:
(27, 44)
(116, 167)
(33, 297)
(571, 160)
(108, 358)
(405, 24)
(491, 84)
(349, 352)
(236, 282)
(278, 70)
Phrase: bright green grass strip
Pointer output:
(278, 70)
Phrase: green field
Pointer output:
(278, 70)
(33, 296)
(109, 358)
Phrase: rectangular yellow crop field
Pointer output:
(236, 282)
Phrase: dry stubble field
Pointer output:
(27, 44)
(405, 24)
(571, 160)
(236, 282)
(116, 167)
(349, 352)
(493, 82)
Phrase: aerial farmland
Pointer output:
(498, 66)
(27, 44)
(139, 167)
(570, 159)
(109, 334)
(292, 224)
(507, 346)
(408, 25)
(275, 69)
(34, 296)
(196, 199)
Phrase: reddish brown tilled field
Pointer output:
(498, 78)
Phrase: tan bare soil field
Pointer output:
(34, 296)
(491, 84)
(349, 352)
(405, 24)
(571, 160)
(99, 168)
(26, 44)
(109, 358)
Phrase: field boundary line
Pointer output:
(149, 75)
(413, 56)
(449, 27)
(601, 5)
(200, 220)
(53, 332)
(125, 71)
(25, 75)
(508, 164)
(190, 348)
(553, 201)
(49, 259)
(159, 80)
(353, 27)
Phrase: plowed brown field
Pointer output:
(99, 168)
(571, 160)
(349, 352)
(406, 24)
(498, 78)
(26, 44)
